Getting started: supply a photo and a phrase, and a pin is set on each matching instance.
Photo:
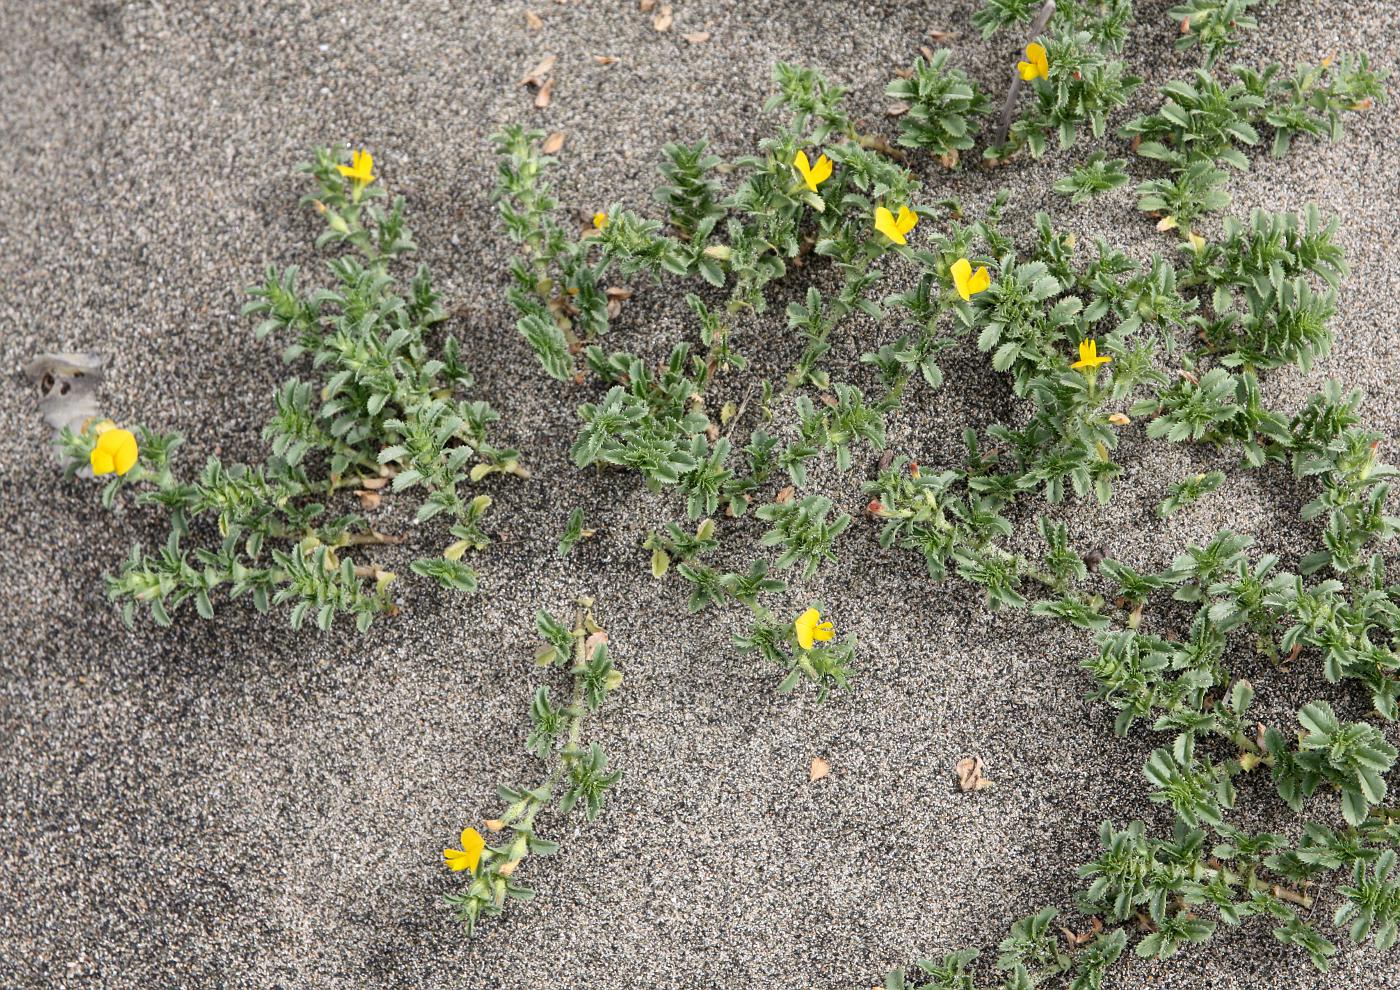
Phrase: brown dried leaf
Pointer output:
(926, 52)
(1075, 940)
(819, 769)
(553, 143)
(537, 76)
(532, 20)
(896, 110)
(368, 500)
(969, 773)
(697, 37)
(373, 484)
(940, 37)
(663, 20)
(617, 292)
(949, 160)
(605, 59)
(904, 73)
(594, 641)
(543, 97)
(785, 495)
(646, 5)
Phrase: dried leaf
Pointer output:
(532, 20)
(542, 98)
(949, 159)
(537, 76)
(662, 21)
(819, 769)
(1075, 940)
(373, 484)
(941, 37)
(368, 500)
(606, 59)
(969, 773)
(617, 292)
(697, 37)
(646, 5)
(926, 52)
(785, 495)
(553, 143)
(594, 641)
(896, 110)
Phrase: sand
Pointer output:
(230, 804)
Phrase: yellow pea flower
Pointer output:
(895, 227)
(600, 220)
(360, 170)
(469, 856)
(1036, 65)
(811, 629)
(813, 175)
(966, 281)
(116, 449)
(1089, 357)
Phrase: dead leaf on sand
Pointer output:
(553, 143)
(969, 773)
(605, 59)
(785, 495)
(539, 74)
(697, 37)
(532, 20)
(663, 19)
(1076, 940)
(819, 769)
(543, 97)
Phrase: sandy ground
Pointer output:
(228, 804)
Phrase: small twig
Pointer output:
(1037, 29)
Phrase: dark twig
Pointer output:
(1037, 29)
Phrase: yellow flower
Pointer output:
(1089, 357)
(966, 281)
(115, 451)
(813, 175)
(360, 170)
(811, 629)
(895, 227)
(1036, 66)
(600, 220)
(469, 856)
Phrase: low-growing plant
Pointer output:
(387, 413)
(575, 775)
(1097, 174)
(942, 106)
